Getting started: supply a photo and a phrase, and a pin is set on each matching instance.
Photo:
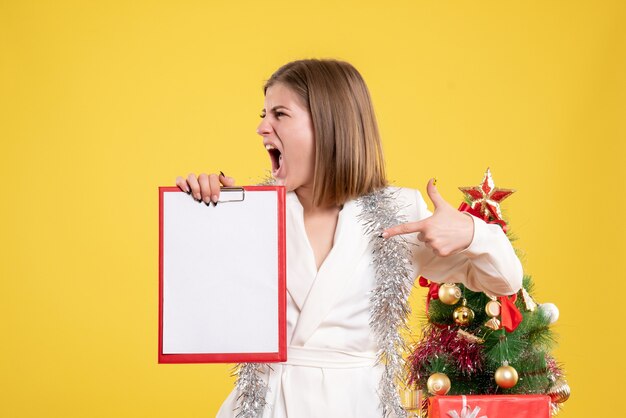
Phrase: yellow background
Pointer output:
(101, 102)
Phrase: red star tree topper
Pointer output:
(485, 199)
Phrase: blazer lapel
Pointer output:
(300, 259)
(334, 274)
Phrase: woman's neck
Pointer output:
(305, 196)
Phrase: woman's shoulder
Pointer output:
(403, 191)
(409, 201)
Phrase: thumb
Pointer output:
(434, 195)
(226, 181)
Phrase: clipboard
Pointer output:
(222, 276)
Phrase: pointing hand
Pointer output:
(447, 231)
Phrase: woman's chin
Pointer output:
(279, 181)
(283, 182)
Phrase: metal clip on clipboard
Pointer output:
(232, 194)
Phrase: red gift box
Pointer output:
(489, 406)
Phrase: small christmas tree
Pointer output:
(476, 343)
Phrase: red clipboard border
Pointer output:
(270, 357)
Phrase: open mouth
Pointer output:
(276, 157)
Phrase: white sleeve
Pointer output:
(489, 264)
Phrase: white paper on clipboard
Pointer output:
(222, 280)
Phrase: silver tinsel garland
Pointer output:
(252, 389)
(389, 299)
(389, 309)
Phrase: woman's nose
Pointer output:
(264, 128)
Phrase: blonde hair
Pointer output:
(348, 151)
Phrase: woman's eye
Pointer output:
(276, 114)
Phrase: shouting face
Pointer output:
(287, 132)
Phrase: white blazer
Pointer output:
(330, 371)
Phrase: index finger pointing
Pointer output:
(406, 228)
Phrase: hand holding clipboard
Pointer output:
(206, 187)
(222, 289)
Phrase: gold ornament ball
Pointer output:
(449, 293)
(438, 384)
(559, 391)
(506, 377)
(463, 315)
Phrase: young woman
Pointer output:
(345, 264)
